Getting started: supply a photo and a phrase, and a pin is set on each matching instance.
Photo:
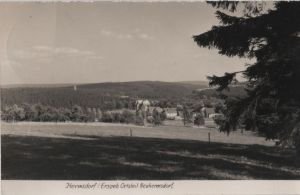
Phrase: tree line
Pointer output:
(42, 113)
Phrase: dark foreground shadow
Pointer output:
(109, 158)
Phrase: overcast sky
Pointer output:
(107, 41)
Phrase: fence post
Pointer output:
(130, 132)
(209, 137)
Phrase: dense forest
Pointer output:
(105, 95)
(106, 102)
(232, 91)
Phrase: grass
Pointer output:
(171, 130)
(137, 158)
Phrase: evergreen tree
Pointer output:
(156, 117)
(199, 119)
(163, 115)
(187, 116)
(272, 38)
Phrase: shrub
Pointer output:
(139, 120)
(187, 116)
(116, 117)
(128, 116)
(208, 103)
(163, 115)
(107, 117)
(79, 117)
(62, 118)
(149, 119)
(219, 119)
(77, 114)
(13, 113)
(45, 117)
(199, 119)
(156, 117)
(219, 107)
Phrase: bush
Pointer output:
(156, 117)
(39, 112)
(219, 119)
(13, 113)
(199, 119)
(62, 118)
(207, 103)
(139, 120)
(149, 119)
(107, 117)
(116, 117)
(81, 118)
(128, 116)
(219, 107)
(163, 115)
(77, 114)
(46, 117)
(187, 117)
(91, 114)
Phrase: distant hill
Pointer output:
(91, 95)
(199, 83)
(35, 85)
(234, 90)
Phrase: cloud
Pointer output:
(44, 52)
(145, 36)
(28, 54)
(136, 34)
(96, 57)
(124, 36)
(8, 63)
(109, 33)
(63, 50)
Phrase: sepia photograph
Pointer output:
(150, 90)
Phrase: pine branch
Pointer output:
(226, 19)
(223, 81)
(226, 5)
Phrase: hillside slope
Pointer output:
(234, 90)
(92, 94)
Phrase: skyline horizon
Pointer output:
(87, 83)
(108, 42)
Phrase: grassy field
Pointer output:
(171, 130)
(106, 151)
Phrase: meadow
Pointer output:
(79, 151)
